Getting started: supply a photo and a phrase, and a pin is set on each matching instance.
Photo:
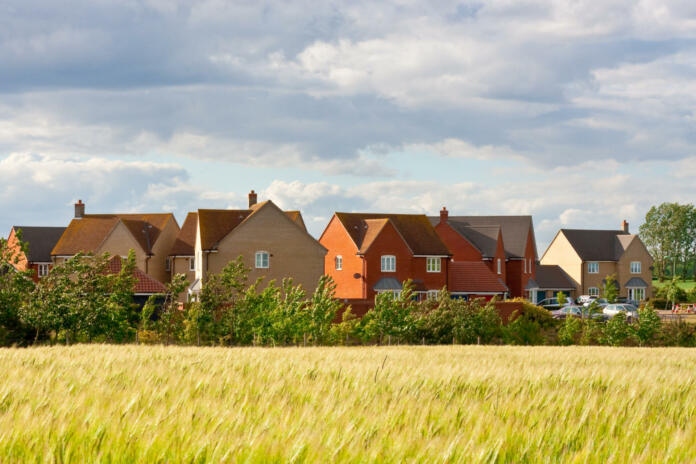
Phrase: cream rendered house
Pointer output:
(273, 243)
(589, 256)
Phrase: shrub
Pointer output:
(648, 326)
(533, 326)
(659, 303)
(569, 331)
(617, 331)
(678, 333)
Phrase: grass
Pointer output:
(685, 284)
(422, 404)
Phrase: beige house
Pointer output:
(273, 243)
(589, 256)
(151, 236)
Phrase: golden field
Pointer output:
(93, 403)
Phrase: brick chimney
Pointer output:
(444, 215)
(79, 209)
(252, 198)
(624, 226)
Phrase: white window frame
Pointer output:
(632, 293)
(500, 266)
(433, 264)
(639, 267)
(385, 261)
(42, 270)
(262, 264)
(432, 294)
(593, 265)
(338, 262)
(593, 291)
(192, 265)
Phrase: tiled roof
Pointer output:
(186, 240)
(598, 245)
(634, 282)
(484, 238)
(144, 284)
(515, 229)
(416, 230)
(387, 283)
(40, 241)
(89, 232)
(474, 277)
(552, 277)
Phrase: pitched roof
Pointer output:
(40, 241)
(598, 245)
(215, 224)
(515, 229)
(416, 230)
(144, 284)
(552, 277)
(387, 283)
(484, 238)
(186, 239)
(86, 234)
(474, 277)
(634, 282)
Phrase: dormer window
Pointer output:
(262, 260)
(388, 263)
(338, 261)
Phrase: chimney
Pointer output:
(252, 198)
(444, 214)
(624, 226)
(79, 209)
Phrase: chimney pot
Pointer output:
(444, 214)
(79, 209)
(624, 226)
(252, 198)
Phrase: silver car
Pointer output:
(628, 309)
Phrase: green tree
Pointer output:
(562, 299)
(167, 310)
(15, 289)
(617, 331)
(610, 290)
(648, 326)
(323, 308)
(669, 234)
(392, 315)
(569, 330)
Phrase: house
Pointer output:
(151, 236)
(181, 258)
(145, 285)
(273, 243)
(589, 256)
(506, 244)
(473, 279)
(40, 241)
(374, 253)
(549, 281)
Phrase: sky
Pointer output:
(580, 113)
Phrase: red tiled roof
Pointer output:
(474, 277)
(144, 284)
(186, 240)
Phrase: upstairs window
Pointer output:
(433, 264)
(593, 291)
(262, 260)
(593, 267)
(388, 263)
(338, 261)
(192, 264)
(636, 267)
(43, 270)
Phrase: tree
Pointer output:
(648, 326)
(610, 291)
(617, 330)
(669, 233)
(323, 308)
(15, 289)
(168, 317)
(392, 315)
(562, 299)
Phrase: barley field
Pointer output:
(94, 403)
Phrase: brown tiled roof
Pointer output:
(186, 240)
(474, 277)
(416, 230)
(296, 217)
(598, 245)
(89, 232)
(144, 284)
(552, 277)
(40, 241)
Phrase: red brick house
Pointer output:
(506, 244)
(374, 253)
(40, 241)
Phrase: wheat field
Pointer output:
(95, 403)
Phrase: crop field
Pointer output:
(391, 404)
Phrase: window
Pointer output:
(500, 266)
(339, 262)
(261, 260)
(636, 294)
(432, 264)
(525, 266)
(593, 291)
(388, 263)
(636, 267)
(168, 264)
(432, 294)
(530, 265)
(43, 270)
(192, 264)
(593, 267)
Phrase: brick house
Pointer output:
(505, 244)
(145, 285)
(40, 241)
(273, 243)
(151, 236)
(182, 255)
(589, 256)
(374, 253)
(548, 281)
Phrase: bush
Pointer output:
(678, 333)
(534, 326)
(659, 303)
(569, 331)
(617, 332)
(648, 326)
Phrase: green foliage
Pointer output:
(570, 330)
(648, 326)
(533, 326)
(15, 289)
(323, 309)
(610, 290)
(562, 299)
(669, 233)
(392, 316)
(678, 333)
(617, 331)
(169, 317)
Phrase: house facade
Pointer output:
(375, 253)
(151, 236)
(40, 241)
(549, 281)
(273, 243)
(589, 256)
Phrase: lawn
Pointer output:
(395, 404)
(686, 284)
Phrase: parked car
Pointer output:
(614, 309)
(601, 302)
(552, 304)
(577, 311)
